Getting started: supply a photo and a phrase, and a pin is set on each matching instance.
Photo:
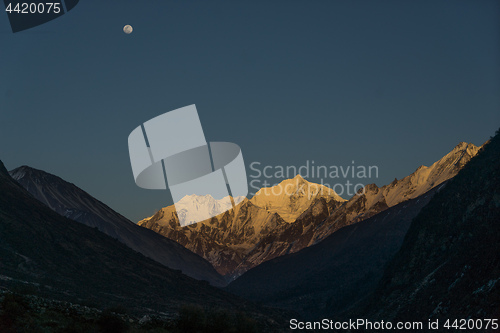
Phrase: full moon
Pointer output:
(128, 29)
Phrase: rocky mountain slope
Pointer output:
(226, 240)
(311, 213)
(72, 202)
(319, 221)
(449, 264)
(337, 273)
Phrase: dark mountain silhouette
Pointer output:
(447, 267)
(72, 202)
(449, 264)
(65, 259)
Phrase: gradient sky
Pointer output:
(395, 84)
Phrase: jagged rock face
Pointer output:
(223, 240)
(308, 230)
(286, 239)
(296, 214)
(227, 240)
(328, 278)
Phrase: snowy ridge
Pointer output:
(295, 214)
(227, 238)
(321, 220)
(423, 179)
(376, 199)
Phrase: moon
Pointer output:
(128, 29)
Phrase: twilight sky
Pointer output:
(394, 84)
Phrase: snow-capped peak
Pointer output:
(292, 197)
(195, 208)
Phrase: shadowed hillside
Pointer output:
(449, 263)
(72, 202)
(63, 259)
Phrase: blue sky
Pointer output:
(395, 84)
